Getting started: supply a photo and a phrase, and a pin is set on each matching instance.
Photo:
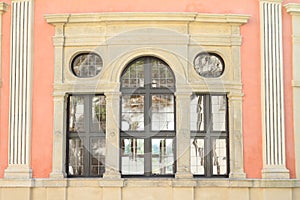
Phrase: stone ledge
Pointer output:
(151, 182)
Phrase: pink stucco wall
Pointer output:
(43, 73)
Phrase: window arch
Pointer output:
(147, 118)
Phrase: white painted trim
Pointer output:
(21, 90)
(274, 161)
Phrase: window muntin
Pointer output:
(209, 65)
(148, 118)
(209, 135)
(86, 135)
(86, 65)
(137, 74)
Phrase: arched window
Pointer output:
(147, 118)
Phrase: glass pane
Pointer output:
(197, 156)
(162, 156)
(87, 65)
(197, 115)
(219, 157)
(162, 112)
(132, 156)
(76, 113)
(132, 113)
(98, 114)
(218, 113)
(134, 75)
(98, 156)
(76, 152)
(161, 75)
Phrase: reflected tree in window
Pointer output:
(86, 135)
(209, 131)
(147, 118)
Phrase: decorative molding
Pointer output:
(296, 83)
(293, 8)
(3, 7)
(271, 1)
(146, 16)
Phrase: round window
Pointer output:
(209, 65)
(87, 65)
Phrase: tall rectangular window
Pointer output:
(209, 135)
(86, 135)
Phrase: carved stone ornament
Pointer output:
(209, 65)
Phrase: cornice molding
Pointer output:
(293, 8)
(185, 17)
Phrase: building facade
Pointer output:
(149, 100)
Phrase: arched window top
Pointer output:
(150, 71)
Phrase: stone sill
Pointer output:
(151, 182)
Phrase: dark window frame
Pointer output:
(208, 135)
(148, 91)
(88, 133)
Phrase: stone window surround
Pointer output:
(227, 44)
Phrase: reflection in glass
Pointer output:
(197, 156)
(98, 156)
(218, 112)
(197, 119)
(87, 65)
(98, 114)
(132, 151)
(219, 157)
(75, 157)
(162, 112)
(162, 156)
(134, 75)
(132, 112)
(162, 76)
(76, 113)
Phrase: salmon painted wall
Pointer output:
(44, 62)
(4, 90)
(288, 90)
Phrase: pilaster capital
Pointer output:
(3, 7)
(271, 1)
(112, 95)
(235, 96)
(293, 8)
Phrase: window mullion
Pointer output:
(86, 144)
(147, 118)
(208, 137)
